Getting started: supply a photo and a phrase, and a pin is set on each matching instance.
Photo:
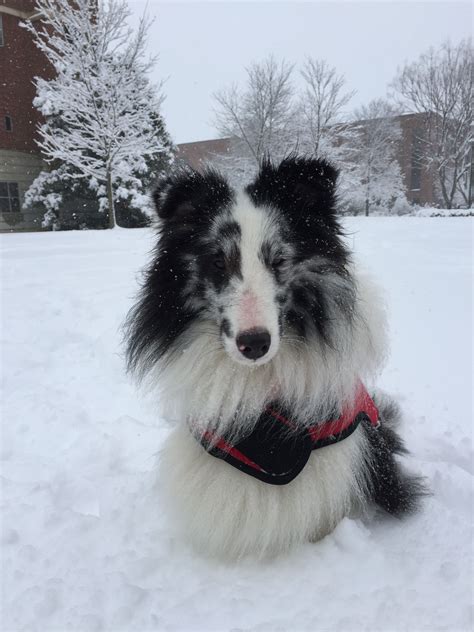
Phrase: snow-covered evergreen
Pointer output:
(103, 131)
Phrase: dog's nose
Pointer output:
(253, 344)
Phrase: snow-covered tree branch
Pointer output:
(322, 107)
(261, 117)
(102, 123)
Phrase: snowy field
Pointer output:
(85, 545)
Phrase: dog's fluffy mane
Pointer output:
(335, 323)
(199, 381)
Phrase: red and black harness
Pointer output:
(277, 449)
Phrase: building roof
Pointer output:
(198, 153)
(23, 9)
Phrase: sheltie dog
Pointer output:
(263, 341)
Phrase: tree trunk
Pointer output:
(110, 196)
(444, 192)
(367, 194)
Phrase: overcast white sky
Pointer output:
(203, 46)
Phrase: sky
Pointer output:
(205, 46)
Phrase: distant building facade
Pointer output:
(197, 155)
(20, 158)
(419, 180)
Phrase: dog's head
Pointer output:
(255, 267)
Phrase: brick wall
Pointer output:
(20, 62)
(418, 179)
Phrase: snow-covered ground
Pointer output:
(84, 543)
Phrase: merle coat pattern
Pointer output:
(253, 297)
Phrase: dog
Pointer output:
(263, 340)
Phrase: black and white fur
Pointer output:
(271, 259)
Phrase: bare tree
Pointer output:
(261, 116)
(439, 84)
(373, 158)
(322, 108)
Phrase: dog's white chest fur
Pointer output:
(231, 514)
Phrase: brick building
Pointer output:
(20, 159)
(198, 154)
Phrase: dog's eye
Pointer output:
(219, 262)
(278, 262)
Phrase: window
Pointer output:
(1, 32)
(416, 161)
(8, 123)
(9, 197)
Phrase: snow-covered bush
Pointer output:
(402, 206)
(429, 211)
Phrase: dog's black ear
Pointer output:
(298, 186)
(187, 192)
